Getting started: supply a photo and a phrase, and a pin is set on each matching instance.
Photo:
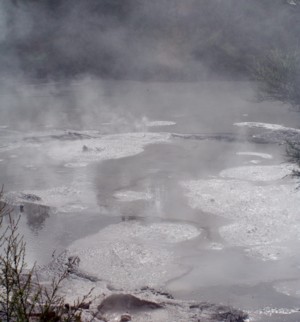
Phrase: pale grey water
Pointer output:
(227, 276)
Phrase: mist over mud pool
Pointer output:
(154, 185)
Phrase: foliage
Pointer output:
(22, 296)
(15, 287)
(278, 74)
(293, 154)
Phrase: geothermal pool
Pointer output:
(154, 184)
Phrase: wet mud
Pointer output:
(162, 205)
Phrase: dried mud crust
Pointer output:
(144, 305)
(261, 133)
(141, 309)
(270, 133)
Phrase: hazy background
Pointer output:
(58, 58)
(141, 39)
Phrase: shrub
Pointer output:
(22, 296)
(278, 76)
(293, 155)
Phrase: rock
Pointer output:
(100, 317)
(29, 197)
(126, 302)
(225, 137)
(213, 312)
(157, 292)
(83, 306)
(73, 263)
(71, 136)
(125, 318)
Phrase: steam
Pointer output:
(157, 39)
(55, 55)
(90, 92)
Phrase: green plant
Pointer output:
(22, 296)
(278, 76)
(16, 286)
(293, 155)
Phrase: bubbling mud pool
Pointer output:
(202, 217)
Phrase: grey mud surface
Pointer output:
(183, 203)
